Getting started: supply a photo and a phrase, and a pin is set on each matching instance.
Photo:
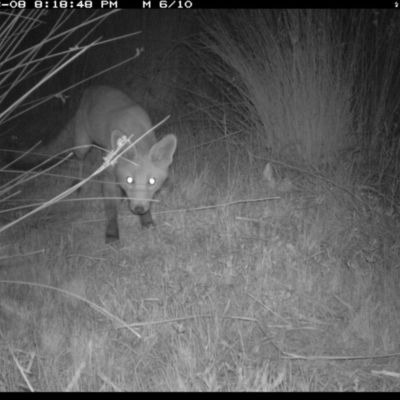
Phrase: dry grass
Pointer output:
(297, 293)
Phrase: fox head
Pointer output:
(141, 173)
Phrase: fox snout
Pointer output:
(138, 210)
(143, 211)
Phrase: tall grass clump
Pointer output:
(377, 108)
(23, 59)
(297, 82)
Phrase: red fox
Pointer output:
(104, 116)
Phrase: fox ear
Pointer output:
(163, 151)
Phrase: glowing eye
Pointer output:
(129, 179)
(152, 181)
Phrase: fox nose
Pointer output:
(139, 210)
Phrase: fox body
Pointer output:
(104, 116)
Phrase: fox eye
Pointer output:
(129, 179)
(152, 181)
